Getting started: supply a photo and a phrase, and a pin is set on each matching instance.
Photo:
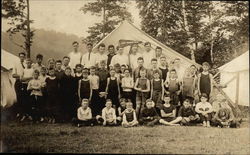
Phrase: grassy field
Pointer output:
(63, 138)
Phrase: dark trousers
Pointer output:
(35, 107)
(231, 124)
(204, 118)
(17, 107)
(149, 122)
(95, 105)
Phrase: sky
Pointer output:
(65, 16)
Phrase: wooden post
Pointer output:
(237, 88)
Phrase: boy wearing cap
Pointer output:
(149, 116)
(84, 115)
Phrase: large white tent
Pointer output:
(8, 95)
(128, 32)
(235, 75)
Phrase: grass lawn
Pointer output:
(63, 138)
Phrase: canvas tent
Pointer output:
(127, 31)
(8, 95)
(235, 75)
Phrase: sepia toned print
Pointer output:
(125, 76)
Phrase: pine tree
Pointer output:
(112, 12)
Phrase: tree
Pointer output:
(112, 12)
(17, 12)
(212, 29)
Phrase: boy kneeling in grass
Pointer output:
(168, 112)
(108, 115)
(187, 113)
(84, 115)
(129, 116)
(149, 116)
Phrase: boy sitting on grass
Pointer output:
(149, 116)
(121, 109)
(129, 116)
(108, 115)
(224, 117)
(168, 112)
(84, 115)
(187, 113)
(204, 109)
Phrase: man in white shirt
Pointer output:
(119, 58)
(89, 58)
(148, 55)
(133, 56)
(158, 54)
(75, 56)
(101, 55)
(18, 71)
(38, 65)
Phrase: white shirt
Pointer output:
(94, 81)
(89, 59)
(108, 114)
(101, 57)
(148, 56)
(38, 67)
(27, 73)
(120, 59)
(18, 68)
(84, 114)
(35, 84)
(133, 60)
(75, 58)
(127, 82)
(205, 107)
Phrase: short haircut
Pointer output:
(39, 56)
(117, 65)
(158, 47)
(163, 57)
(75, 42)
(153, 59)
(204, 95)
(147, 43)
(101, 45)
(21, 53)
(112, 69)
(103, 62)
(140, 58)
(51, 68)
(127, 69)
(149, 100)
(187, 100)
(156, 71)
(36, 71)
(58, 61)
(43, 68)
(143, 70)
(122, 100)
(28, 59)
(85, 100)
(66, 57)
(92, 68)
(205, 64)
(173, 70)
(109, 100)
(85, 70)
(51, 59)
(67, 68)
(78, 65)
(111, 46)
(89, 44)
(123, 66)
(129, 103)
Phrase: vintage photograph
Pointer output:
(125, 77)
